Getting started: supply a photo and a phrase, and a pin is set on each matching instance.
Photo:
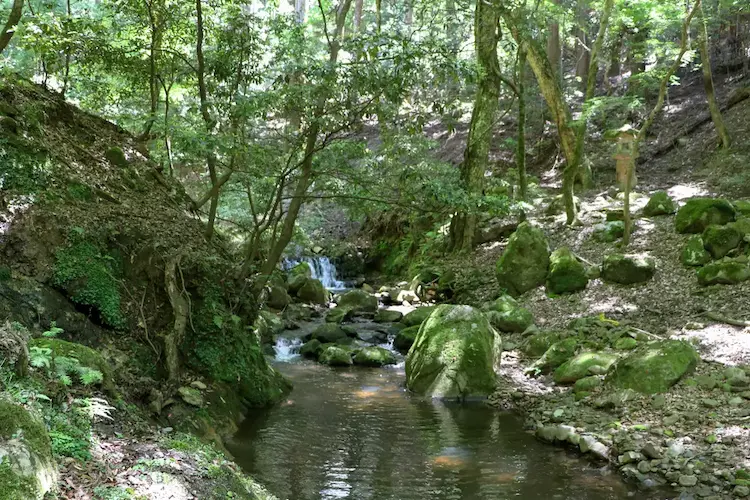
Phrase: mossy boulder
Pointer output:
(742, 207)
(699, 213)
(587, 384)
(626, 343)
(515, 320)
(86, 357)
(335, 355)
(388, 316)
(557, 354)
(524, 264)
(374, 356)
(405, 339)
(694, 253)
(359, 301)
(311, 349)
(454, 355)
(329, 333)
(566, 273)
(27, 469)
(742, 225)
(654, 367)
(660, 203)
(267, 325)
(537, 344)
(14, 352)
(557, 205)
(580, 366)
(312, 291)
(339, 314)
(720, 240)
(417, 316)
(724, 272)
(301, 269)
(628, 269)
(608, 231)
(278, 298)
(116, 157)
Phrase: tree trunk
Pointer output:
(708, 81)
(10, 26)
(180, 309)
(486, 36)
(521, 143)
(358, 7)
(554, 49)
(583, 54)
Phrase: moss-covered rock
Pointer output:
(301, 269)
(14, 352)
(626, 343)
(387, 316)
(278, 298)
(417, 316)
(374, 356)
(312, 291)
(524, 264)
(742, 225)
(537, 344)
(329, 333)
(580, 365)
(587, 384)
(742, 207)
(454, 355)
(267, 325)
(694, 253)
(515, 320)
(339, 315)
(405, 339)
(557, 354)
(699, 213)
(116, 157)
(359, 301)
(660, 203)
(335, 355)
(557, 205)
(720, 240)
(27, 469)
(86, 357)
(654, 367)
(566, 273)
(724, 272)
(628, 269)
(608, 232)
(311, 349)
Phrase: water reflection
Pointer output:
(357, 434)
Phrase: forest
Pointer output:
(374, 249)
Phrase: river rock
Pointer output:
(628, 269)
(454, 355)
(660, 203)
(557, 354)
(405, 339)
(699, 213)
(335, 355)
(724, 272)
(580, 365)
(328, 333)
(654, 367)
(339, 314)
(388, 316)
(587, 384)
(311, 349)
(374, 356)
(313, 291)
(417, 316)
(720, 240)
(359, 301)
(524, 264)
(694, 253)
(537, 343)
(191, 396)
(507, 315)
(278, 298)
(566, 273)
(608, 231)
(28, 468)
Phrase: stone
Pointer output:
(267, 325)
(454, 355)
(694, 253)
(312, 291)
(742, 207)
(339, 314)
(644, 467)
(537, 344)
(374, 356)
(14, 352)
(191, 396)
(720, 240)
(417, 316)
(557, 205)
(301, 269)
(311, 349)
(706, 382)
(556, 355)
(566, 273)
(578, 366)
(649, 450)
(660, 203)
(736, 377)
(741, 490)
(388, 316)
(699, 213)
(626, 343)
(86, 356)
(654, 367)
(359, 301)
(328, 333)
(587, 384)
(278, 298)
(608, 232)
(710, 403)
(589, 444)
(524, 264)
(627, 269)
(736, 401)
(405, 339)
(197, 384)
(335, 355)
(507, 316)
(724, 272)
(629, 457)
(687, 480)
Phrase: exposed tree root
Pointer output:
(181, 310)
(720, 318)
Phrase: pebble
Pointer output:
(687, 480)
(710, 403)
(741, 491)
(651, 451)
(644, 467)
(736, 401)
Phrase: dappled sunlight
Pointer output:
(685, 191)
(720, 343)
(603, 305)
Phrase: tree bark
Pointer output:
(16, 11)
(554, 49)
(521, 143)
(708, 81)
(180, 309)
(486, 36)
(583, 50)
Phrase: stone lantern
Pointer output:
(625, 138)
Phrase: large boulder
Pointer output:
(720, 240)
(724, 272)
(627, 269)
(417, 316)
(557, 354)
(608, 231)
(566, 273)
(654, 367)
(694, 253)
(14, 353)
(27, 469)
(454, 355)
(660, 203)
(699, 213)
(339, 315)
(311, 349)
(301, 269)
(405, 339)
(86, 357)
(524, 263)
(312, 291)
(334, 355)
(374, 356)
(359, 301)
(278, 298)
(329, 333)
(507, 315)
(267, 325)
(742, 207)
(388, 316)
(583, 365)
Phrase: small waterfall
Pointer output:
(287, 348)
(322, 269)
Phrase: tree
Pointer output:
(16, 11)
(708, 81)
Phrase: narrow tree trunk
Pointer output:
(180, 309)
(379, 14)
(583, 54)
(10, 26)
(521, 143)
(358, 7)
(554, 48)
(708, 81)
(486, 36)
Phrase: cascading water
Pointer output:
(322, 269)
(286, 348)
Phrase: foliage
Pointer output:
(62, 368)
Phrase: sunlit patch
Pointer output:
(448, 462)
(504, 477)
(684, 191)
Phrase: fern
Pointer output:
(53, 331)
(89, 376)
(40, 357)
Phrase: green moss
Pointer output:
(374, 356)
(5, 273)
(405, 338)
(579, 366)
(587, 384)
(334, 355)
(627, 269)
(537, 344)
(566, 273)
(724, 272)
(14, 418)
(116, 157)
(654, 367)
(301, 269)
(14, 486)
(720, 240)
(525, 261)
(339, 315)
(89, 278)
(86, 357)
(359, 301)
(557, 354)
(312, 291)
(609, 231)
(699, 213)
(694, 253)
(660, 203)
(417, 316)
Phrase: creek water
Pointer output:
(322, 269)
(355, 433)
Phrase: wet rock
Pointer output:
(329, 333)
(629, 457)
(579, 366)
(335, 356)
(386, 316)
(507, 315)
(311, 349)
(608, 232)
(654, 367)
(566, 273)
(191, 396)
(589, 444)
(417, 316)
(660, 203)
(374, 356)
(372, 336)
(312, 291)
(628, 269)
(694, 253)
(720, 240)
(405, 339)
(339, 315)
(359, 301)
(699, 213)
(724, 272)
(524, 264)
(555, 356)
